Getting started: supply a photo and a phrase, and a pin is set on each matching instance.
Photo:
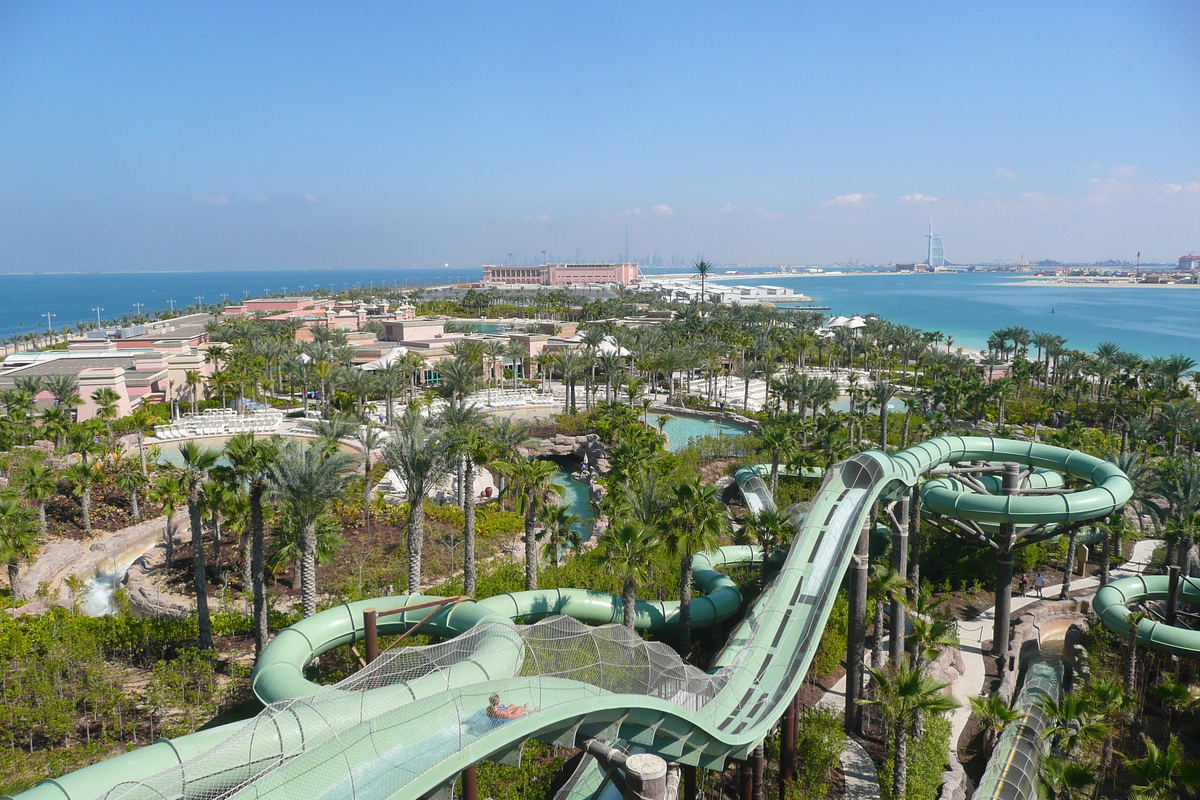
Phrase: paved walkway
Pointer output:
(862, 782)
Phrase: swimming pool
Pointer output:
(680, 430)
(576, 497)
(843, 404)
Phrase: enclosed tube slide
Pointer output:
(413, 733)
(1112, 605)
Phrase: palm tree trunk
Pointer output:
(469, 530)
(1131, 663)
(137, 510)
(900, 769)
(416, 539)
(42, 515)
(85, 507)
(257, 571)
(531, 575)
(685, 606)
(13, 568)
(878, 655)
(629, 602)
(308, 567)
(1072, 543)
(200, 573)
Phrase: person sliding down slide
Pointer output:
(501, 713)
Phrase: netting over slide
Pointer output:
(405, 693)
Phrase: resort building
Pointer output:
(561, 274)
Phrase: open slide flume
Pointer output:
(409, 723)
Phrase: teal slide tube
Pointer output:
(1112, 605)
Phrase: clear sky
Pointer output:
(241, 135)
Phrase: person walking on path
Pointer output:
(1039, 583)
(1023, 584)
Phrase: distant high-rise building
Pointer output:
(937, 255)
(1190, 261)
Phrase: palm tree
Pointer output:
(250, 460)
(1073, 719)
(18, 536)
(65, 389)
(307, 480)
(1133, 618)
(84, 475)
(133, 482)
(693, 526)
(884, 584)
(168, 490)
(1061, 779)
(458, 378)
(881, 395)
(558, 524)
(994, 715)
(196, 462)
(533, 482)
(38, 483)
(777, 440)
(703, 269)
(421, 454)
(905, 693)
(468, 430)
(1164, 774)
(369, 438)
(770, 530)
(333, 429)
(628, 551)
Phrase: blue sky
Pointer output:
(276, 135)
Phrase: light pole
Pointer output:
(97, 309)
(48, 315)
(138, 307)
(199, 299)
(172, 302)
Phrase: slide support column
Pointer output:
(856, 635)
(1004, 566)
(760, 771)
(900, 564)
(689, 782)
(470, 784)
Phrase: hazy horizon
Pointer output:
(162, 137)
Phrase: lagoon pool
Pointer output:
(681, 430)
(842, 404)
(575, 497)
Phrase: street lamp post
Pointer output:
(98, 309)
(138, 307)
(172, 302)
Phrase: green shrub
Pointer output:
(833, 641)
(819, 739)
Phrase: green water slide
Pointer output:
(1112, 604)
(410, 722)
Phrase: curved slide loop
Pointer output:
(1112, 605)
(1109, 490)
(410, 725)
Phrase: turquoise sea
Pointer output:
(969, 306)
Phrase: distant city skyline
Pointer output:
(142, 136)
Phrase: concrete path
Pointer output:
(974, 632)
(862, 782)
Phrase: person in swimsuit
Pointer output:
(504, 713)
